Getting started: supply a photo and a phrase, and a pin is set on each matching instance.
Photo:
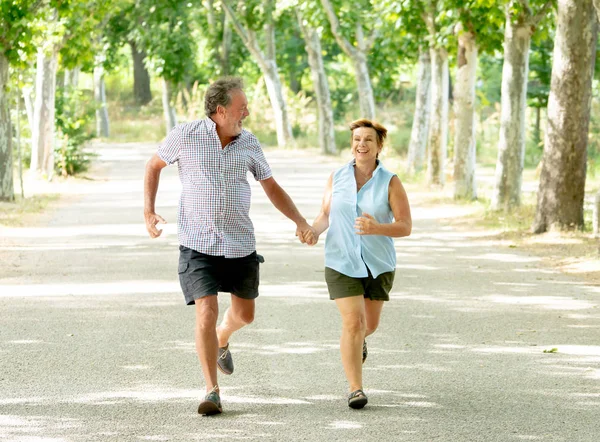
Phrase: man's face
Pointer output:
(235, 113)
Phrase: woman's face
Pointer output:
(364, 144)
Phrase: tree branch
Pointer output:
(335, 29)
(236, 23)
(542, 12)
(248, 36)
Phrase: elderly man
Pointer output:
(216, 236)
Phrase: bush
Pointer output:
(74, 120)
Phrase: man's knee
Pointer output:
(207, 312)
(245, 316)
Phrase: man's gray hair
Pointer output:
(217, 93)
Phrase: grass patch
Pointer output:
(15, 214)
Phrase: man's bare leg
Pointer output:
(238, 315)
(207, 312)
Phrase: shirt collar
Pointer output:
(352, 163)
(213, 126)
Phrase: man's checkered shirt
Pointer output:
(214, 206)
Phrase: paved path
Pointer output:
(96, 343)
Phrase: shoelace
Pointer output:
(224, 355)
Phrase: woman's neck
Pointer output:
(366, 168)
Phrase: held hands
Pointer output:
(306, 234)
(152, 219)
(366, 225)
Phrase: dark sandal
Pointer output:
(357, 399)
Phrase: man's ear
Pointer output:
(220, 110)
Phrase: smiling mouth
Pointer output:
(361, 151)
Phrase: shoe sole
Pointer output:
(358, 403)
(223, 371)
(208, 408)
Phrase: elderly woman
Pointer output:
(364, 207)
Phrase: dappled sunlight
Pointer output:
(297, 348)
(89, 289)
(129, 230)
(344, 425)
(507, 350)
(416, 267)
(546, 302)
(295, 290)
(578, 350)
(581, 265)
(501, 257)
(19, 428)
(419, 367)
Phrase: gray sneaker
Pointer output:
(365, 352)
(225, 361)
(211, 404)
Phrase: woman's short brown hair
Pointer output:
(379, 129)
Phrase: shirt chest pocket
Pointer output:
(234, 166)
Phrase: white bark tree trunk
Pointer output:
(102, 123)
(464, 110)
(7, 191)
(71, 78)
(168, 110)
(511, 145)
(268, 67)
(321, 86)
(42, 149)
(226, 45)
(420, 126)
(363, 80)
(28, 105)
(438, 131)
(358, 55)
(562, 180)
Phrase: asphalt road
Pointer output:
(96, 343)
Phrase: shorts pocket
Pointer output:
(183, 266)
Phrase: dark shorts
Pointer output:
(203, 275)
(375, 289)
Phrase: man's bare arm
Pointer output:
(151, 180)
(282, 202)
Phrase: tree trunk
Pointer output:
(7, 190)
(365, 91)
(537, 137)
(562, 180)
(268, 67)
(321, 86)
(168, 110)
(102, 125)
(284, 129)
(226, 45)
(464, 110)
(71, 78)
(141, 79)
(420, 126)
(42, 149)
(28, 105)
(438, 131)
(511, 145)
(358, 55)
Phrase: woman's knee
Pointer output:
(354, 324)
